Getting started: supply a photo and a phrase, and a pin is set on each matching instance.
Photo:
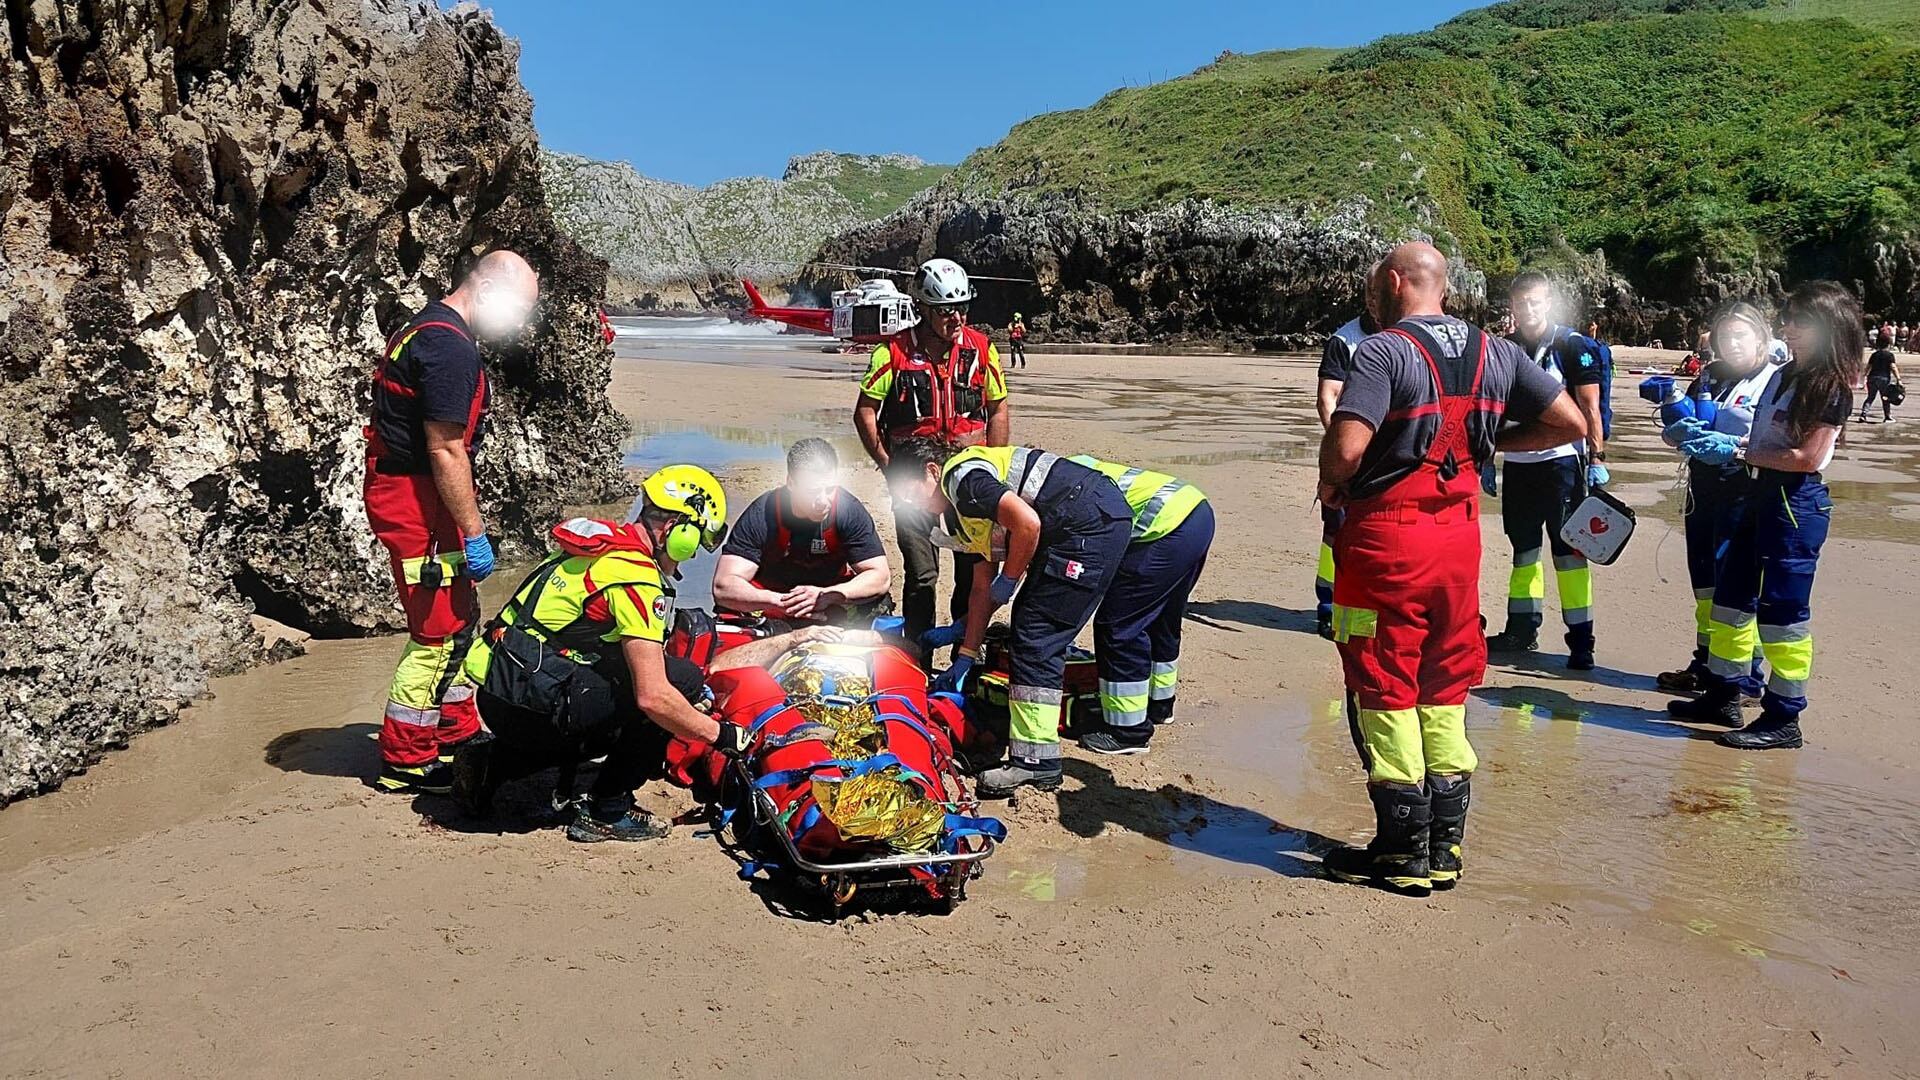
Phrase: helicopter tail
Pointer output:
(755, 302)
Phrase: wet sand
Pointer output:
(228, 898)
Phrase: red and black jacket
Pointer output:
(397, 435)
(947, 399)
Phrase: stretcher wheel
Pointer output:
(841, 889)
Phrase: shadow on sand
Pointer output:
(1189, 821)
(1219, 613)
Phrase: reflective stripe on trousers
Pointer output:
(1402, 746)
(1034, 722)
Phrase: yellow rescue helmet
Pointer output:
(694, 494)
(1017, 316)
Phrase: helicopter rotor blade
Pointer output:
(910, 273)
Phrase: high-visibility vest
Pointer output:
(1160, 501)
(947, 399)
(1023, 469)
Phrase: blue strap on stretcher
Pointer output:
(959, 826)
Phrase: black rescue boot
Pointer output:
(1580, 649)
(1448, 796)
(1769, 732)
(1718, 705)
(432, 779)
(1687, 680)
(1396, 859)
(474, 781)
(1516, 638)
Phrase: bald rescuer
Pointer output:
(429, 405)
(1426, 402)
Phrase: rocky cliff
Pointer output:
(1662, 154)
(211, 213)
(1193, 271)
(671, 245)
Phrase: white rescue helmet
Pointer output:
(942, 283)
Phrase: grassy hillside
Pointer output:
(886, 186)
(1736, 133)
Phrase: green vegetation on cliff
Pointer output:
(1742, 133)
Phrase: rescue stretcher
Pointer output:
(851, 786)
(839, 881)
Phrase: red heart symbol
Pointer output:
(1597, 527)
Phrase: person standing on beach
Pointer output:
(1425, 402)
(429, 405)
(1542, 486)
(1883, 374)
(1763, 597)
(1336, 356)
(1017, 341)
(939, 378)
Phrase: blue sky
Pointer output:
(699, 91)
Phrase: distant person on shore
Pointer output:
(1606, 378)
(430, 403)
(1717, 486)
(1541, 487)
(1336, 358)
(1913, 340)
(1017, 340)
(1764, 592)
(1883, 374)
(806, 551)
(940, 379)
(1423, 406)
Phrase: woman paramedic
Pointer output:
(1765, 586)
(1716, 492)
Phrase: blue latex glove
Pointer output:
(1681, 430)
(479, 557)
(942, 636)
(1002, 589)
(952, 679)
(1597, 475)
(1711, 447)
(1490, 479)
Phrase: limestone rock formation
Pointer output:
(211, 213)
(675, 246)
(1192, 271)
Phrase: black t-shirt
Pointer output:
(1390, 383)
(442, 367)
(754, 536)
(977, 495)
(1881, 365)
(1336, 356)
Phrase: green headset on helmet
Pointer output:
(691, 492)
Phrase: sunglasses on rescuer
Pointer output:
(941, 311)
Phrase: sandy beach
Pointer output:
(228, 898)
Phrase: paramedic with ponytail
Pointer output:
(597, 614)
(1722, 399)
(1765, 588)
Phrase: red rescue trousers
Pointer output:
(424, 710)
(1406, 618)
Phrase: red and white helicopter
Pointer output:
(866, 314)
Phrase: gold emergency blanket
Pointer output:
(831, 686)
